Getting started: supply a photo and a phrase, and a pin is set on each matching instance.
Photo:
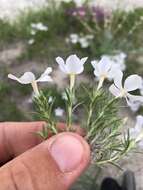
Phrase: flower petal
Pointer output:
(83, 60)
(114, 90)
(139, 121)
(61, 63)
(48, 70)
(94, 63)
(104, 64)
(133, 82)
(74, 65)
(27, 78)
(118, 79)
(135, 98)
(45, 76)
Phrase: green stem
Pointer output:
(70, 103)
(99, 117)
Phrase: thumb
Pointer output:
(54, 164)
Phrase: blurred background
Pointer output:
(33, 33)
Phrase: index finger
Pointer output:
(16, 138)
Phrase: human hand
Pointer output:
(35, 165)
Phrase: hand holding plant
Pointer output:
(98, 118)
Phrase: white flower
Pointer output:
(118, 60)
(141, 89)
(29, 78)
(74, 38)
(84, 42)
(72, 66)
(59, 112)
(103, 70)
(39, 26)
(133, 82)
(31, 41)
(64, 96)
(50, 100)
(136, 133)
(134, 106)
(33, 32)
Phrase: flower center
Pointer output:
(123, 92)
(104, 76)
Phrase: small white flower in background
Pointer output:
(31, 41)
(74, 38)
(50, 100)
(39, 26)
(136, 133)
(134, 106)
(83, 40)
(30, 100)
(29, 78)
(72, 66)
(33, 32)
(59, 112)
(118, 60)
(64, 96)
(103, 70)
(133, 82)
(141, 89)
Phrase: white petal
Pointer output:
(97, 73)
(135, 98)
(104, 65)
(83, 60)
(133, 82)
(48, 70)
(139, 121)
(134, 106)
(94, 64)
(74, 65)
(114, 90)
(27, 78)
(112, 73)
(45, 78)
(118, 79)
(61, 63)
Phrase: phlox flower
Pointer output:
(59, 112)
(103, 70)
(136, 133)
(83, 40)
(39, 26)
(31, 41)
(134, 106)
(133, 82)
(29, 78)
(72, 66)
(118, 60)
(74, 38)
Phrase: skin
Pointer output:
(28, 163)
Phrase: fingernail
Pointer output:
(67, 151)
